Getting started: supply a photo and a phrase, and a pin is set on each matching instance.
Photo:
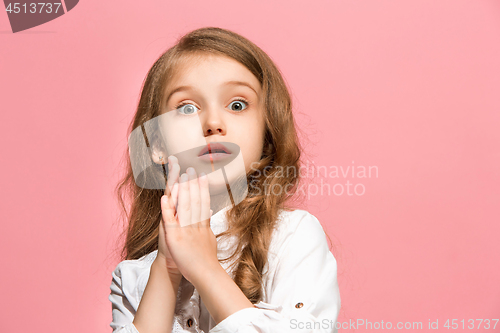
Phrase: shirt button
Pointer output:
(299, 305)
(189, 322)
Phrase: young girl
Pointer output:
(203, 255)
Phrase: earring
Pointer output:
(160, 158)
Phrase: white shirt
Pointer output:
(300, 286)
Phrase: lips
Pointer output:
(214, 148)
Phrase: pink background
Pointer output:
(411, 87)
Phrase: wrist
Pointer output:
(212, 272)
(159, 267)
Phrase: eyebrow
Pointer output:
(228, 83)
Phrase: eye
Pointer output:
(186, 108)
(237, 104)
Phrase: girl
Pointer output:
(255, 265)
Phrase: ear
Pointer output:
(159, 157)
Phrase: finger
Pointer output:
(184, 204)
(175, 171)
(173, 174)
(194, 194)
(161, 231)
(173, 177)
(174, 167)
(206, 212)
(175, 196)
(167, 211)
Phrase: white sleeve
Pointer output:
(304, 296)
(122, 311)
(125, 297)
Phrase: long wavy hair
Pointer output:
(253, 219)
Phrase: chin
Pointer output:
(216, 183)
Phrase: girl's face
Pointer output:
(214, 99)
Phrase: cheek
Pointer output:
(260, 132)
(252, 130)
(251, 147)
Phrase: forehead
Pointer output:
(210, 69)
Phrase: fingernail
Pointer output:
(202, 174)
(184, 177)
(191, 171)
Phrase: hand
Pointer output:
(171, 192)
(190, 239)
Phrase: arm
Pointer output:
(303, 296)
(127, 304)
(155, 313)
(221, 294)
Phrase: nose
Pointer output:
(213, 123)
